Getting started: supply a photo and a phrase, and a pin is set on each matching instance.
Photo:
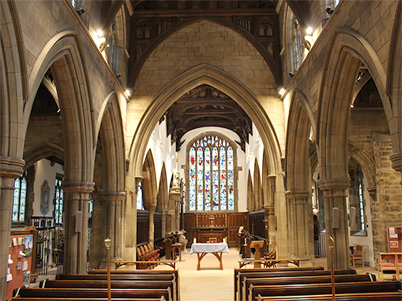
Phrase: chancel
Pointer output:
(267, 126)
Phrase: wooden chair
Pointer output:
(390, 262)
(359, 255)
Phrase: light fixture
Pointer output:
(128, 92)
(291, 74)
(329, 10)
(80, 11)
(282, 91)
(99, 33)
(118, 75)
(309, 30)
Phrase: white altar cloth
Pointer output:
(209, 248)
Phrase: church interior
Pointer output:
(154, 123)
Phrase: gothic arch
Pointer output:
(149, 186)
(367, 162)
(204, 74)
(61, 54)
(250, 194)
(257, 186)
(112, 137)
(13, 87)
(301, 121)
(349, 50)
(163, 192)
(42, 151)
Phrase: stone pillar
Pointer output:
(335, 197)
(270, 207)
(300, 224)
(76, 216)
(151, 234)
(10, 169)
(164, 221)
(396, 160)
(174, 198)
(114, 222)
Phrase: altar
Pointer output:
(215, 249)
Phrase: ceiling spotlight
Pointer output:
(128, 92)
(118, 75)
(291, 74)
(329, 10)
(282, 91)
(309, 30)
(80, 11)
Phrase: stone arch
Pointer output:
(61, 54)
(112, 136)
(349, 50)
(394, 87)
(257, 186)
(274, 66)
(42, 151)
(204, 74)
(250, 194)
(366, 162)
(300, 122)
(12, 76)
(163, 191)
(149, 185)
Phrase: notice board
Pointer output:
(19, 263)
(394, 235)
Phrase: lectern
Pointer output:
(257, 245)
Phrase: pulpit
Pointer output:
(257, 245)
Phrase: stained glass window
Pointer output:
(211, 174)
(58, 201)
(20, 197)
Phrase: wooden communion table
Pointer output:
(203, 249)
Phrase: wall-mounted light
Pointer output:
(80, 11)
(282, 91)
(128, 92)
(329, 10)
(291, 74)
(309, 30)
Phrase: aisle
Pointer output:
(210, 283)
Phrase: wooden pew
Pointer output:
(247, 282)
(93, 293)
(86, 299)
(238, 272)
(282, 272)
(322, 288)
(146, 272)
(343, 297)
(131, 284)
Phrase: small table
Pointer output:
(215, 249)
(178, 247)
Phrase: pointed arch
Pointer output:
(149, 186)
(204, 74)
(163, 191)
(42, 151)
(300, 124)
(112, 141)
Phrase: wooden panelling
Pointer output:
(143, 226)
(189, 227)
(256, 223)
(235, 220)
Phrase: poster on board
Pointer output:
(394, 236)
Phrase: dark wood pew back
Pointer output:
(86, 299)
(283, 273)
(94, 293)
(238, 272)
(343, 297)
(322, 288)
(301, 280)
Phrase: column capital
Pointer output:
(11, 167)
(113, 196)
(334, 184)
(396, 160)
(78, 186)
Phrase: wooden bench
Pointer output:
(281, 272)
(322, 288)
(131, 284)
(344, 297)
(238, 272)
(86, 299)
(93, 293)
(146, 272)
(247, 282)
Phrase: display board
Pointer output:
(394, 235)
(19, 263)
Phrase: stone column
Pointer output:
(10, 169)
(114, 223)
(396, 160)
(174, 198)
(76, 216)
(270, 207)
(300, 224)
(335, 197)
(164, 221)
